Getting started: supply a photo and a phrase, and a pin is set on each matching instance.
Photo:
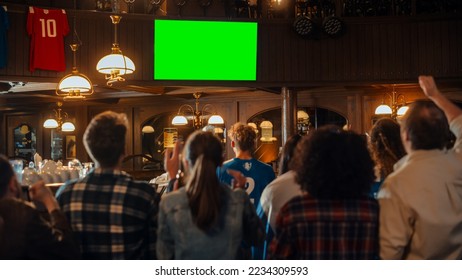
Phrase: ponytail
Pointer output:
(204, 193)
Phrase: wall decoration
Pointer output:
(71, 147)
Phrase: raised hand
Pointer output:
(427, 83)
(172, 160)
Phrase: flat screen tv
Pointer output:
(205, 50)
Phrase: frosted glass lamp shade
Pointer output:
(75, 83)
(383, 110)
(302, 115)
(216, 119)
(50, 123)
(147, 129)
(179, 120)
(402, 110)
(115, 63)
(67, 127)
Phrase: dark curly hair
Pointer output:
(244, 136)
(331, 163)
(386, 145)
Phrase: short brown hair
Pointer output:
(426, 126)
(104, 138)
(244, 136)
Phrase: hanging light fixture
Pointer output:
(398, 105)
(115, 65)
(197, 115)
(59, 122)
(74, 86)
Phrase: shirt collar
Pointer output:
(418, 155)
(110, 171)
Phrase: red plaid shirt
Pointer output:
(310, 228)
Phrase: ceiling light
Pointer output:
(58, 122)
(398, 105)
(115, 65)
(197, 115)
(74, 86)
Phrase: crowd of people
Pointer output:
(396, 195)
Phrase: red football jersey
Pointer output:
(47, 29)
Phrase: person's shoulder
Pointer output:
(288, 177)
(174, 200)
(262, 164)
(17, 207)
(142, 189)
(66, 188)
(229, 162)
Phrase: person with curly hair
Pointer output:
(334, 218)
(386, 149)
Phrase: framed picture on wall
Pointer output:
(71, 147)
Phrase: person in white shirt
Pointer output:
(421, 201)
(283, 188)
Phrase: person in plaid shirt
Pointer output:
(113, 216)
(334, 218)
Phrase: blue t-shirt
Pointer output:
(258, 175)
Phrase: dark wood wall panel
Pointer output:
(371, 50)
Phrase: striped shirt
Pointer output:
(113, 216)
(310, 228)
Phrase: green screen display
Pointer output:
(205, 50)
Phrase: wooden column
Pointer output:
(289, 113)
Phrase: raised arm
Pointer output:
(427, 83)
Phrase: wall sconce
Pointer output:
(398, 105)
(57, 122)
(147, 129)
(197, 115)
(267, 132)
(115, 65)
(303, 122)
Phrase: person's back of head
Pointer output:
(203, 153)
(6, 174)
(244, 137)
(426, 126)
(104, 138)
(288, 153)
(386, 145)
(332, 163)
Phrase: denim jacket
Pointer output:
(179, 238)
